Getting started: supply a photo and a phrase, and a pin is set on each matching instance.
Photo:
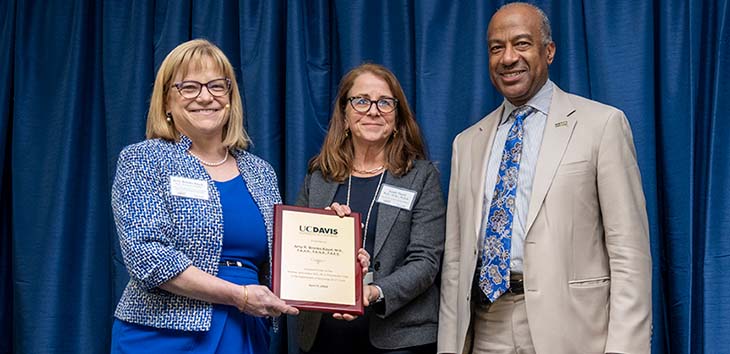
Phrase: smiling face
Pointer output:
(205, 115)
(371, 127)
(518, 60)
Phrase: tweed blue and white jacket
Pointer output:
(161, 234)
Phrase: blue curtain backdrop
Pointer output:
(76, 75)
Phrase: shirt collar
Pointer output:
(541, 102)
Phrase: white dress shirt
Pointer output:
(533, 128)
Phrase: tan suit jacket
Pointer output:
(587, 266)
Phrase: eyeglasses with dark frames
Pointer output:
(363, 104)
(191, 89)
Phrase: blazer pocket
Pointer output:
(590, 282)
(573, 168)
(588, 311)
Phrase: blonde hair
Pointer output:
(188, 56)
(403, 146)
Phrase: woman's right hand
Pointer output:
(340, 209)
(261, 302)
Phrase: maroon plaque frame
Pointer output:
(358, 308)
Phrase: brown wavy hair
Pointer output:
(403, 147)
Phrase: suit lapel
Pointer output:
(256, 185)
(480, 149)
(322, 193)
(387, 213)
(558, 130)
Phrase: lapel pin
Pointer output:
(561, 124)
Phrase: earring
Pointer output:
(169, 117)
(395, 132)
(347, 132)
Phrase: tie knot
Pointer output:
(521, 112)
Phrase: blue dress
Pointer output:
(244, 240)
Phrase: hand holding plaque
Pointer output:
(315, 260)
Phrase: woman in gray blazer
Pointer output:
(372, 162)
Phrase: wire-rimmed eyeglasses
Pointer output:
(191, 89)
(363, 104)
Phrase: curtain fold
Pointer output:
(714, 292)
(310, 86)
(76, 76)
(60, 241)
(7, 43)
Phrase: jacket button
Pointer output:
(376, 266)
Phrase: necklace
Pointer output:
(372, 202)
(207, 163)
(370, 171)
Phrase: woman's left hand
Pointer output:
(260, 301)
(364, 258)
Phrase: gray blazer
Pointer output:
(406, 260)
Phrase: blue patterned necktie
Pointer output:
(495, 270)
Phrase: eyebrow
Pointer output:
(517, 37)
(366, 95)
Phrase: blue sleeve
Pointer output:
(143, 221)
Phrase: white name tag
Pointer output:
(398, 197)
(188, 187)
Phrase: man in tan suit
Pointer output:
(567, 229)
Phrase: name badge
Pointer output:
(188, 187)
(398, 197)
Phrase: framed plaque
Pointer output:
(315, 264)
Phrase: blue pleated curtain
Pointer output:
(76, 75)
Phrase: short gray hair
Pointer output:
(545, 31)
